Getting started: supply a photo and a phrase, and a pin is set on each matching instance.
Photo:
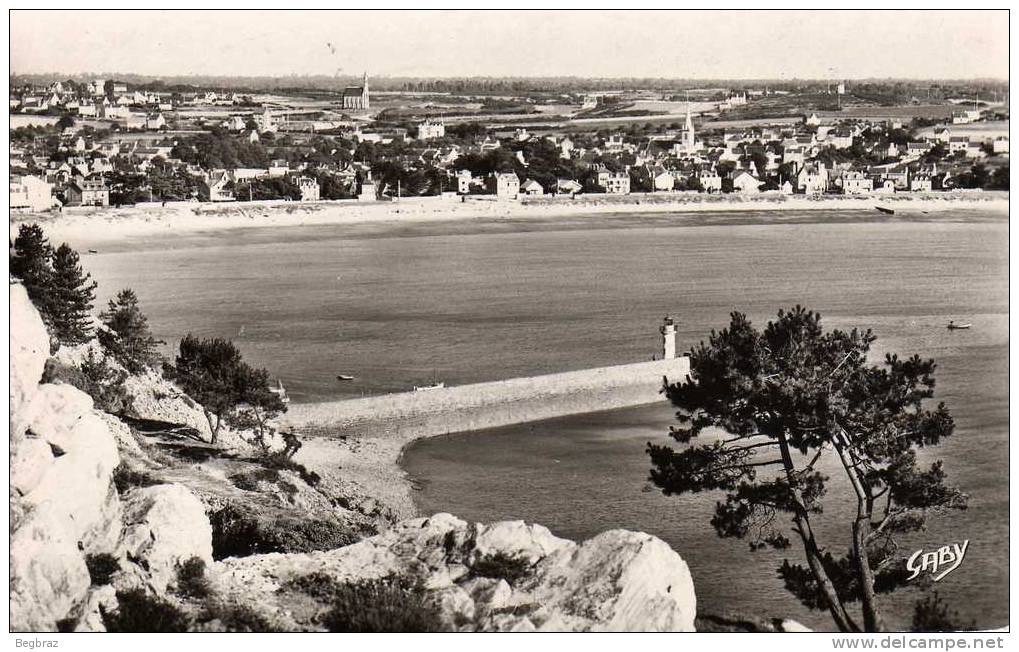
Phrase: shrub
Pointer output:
(67, 625)
(281, 462)
(103, 383)
(191, 580)
(932, 614)
(139, 612)
(319, 585)
(249, 480)
(501, 566)
(237, 618)
(383, 605)
(101, 567)
(239, 532)
(124, 477)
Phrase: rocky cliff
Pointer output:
(117, 523)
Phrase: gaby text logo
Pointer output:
(938, 562)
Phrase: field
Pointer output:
(981, 130)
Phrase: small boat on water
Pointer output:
(886, 211)
(952, 326)
(93, 251)
(425, 388)
(344, 377)
(280, 391)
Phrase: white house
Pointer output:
(958, 144)
(217, 186)
(812, 179)
(369, 191)
(614, 183)
(29, 193)
(659, 178)
(709, 180)
(531, 188)
(839, 140)
(1001, 145)
(856, 183)
(917, 148)
(309, 188)
(884, 186)
(155, 121)
(234, 123)
(507, 185)
(921, 182)
(463, 182)
(745, 183)
(567, 186)
(431, 129)
(278, 168)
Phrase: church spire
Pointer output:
(688, 128)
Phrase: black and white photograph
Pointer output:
(519, 320)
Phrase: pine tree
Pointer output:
(790, 397)
(31, 261)
(127, 336)
(73, 292)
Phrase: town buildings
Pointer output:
(288, 149)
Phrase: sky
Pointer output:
(729, 44)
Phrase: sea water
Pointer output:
(465, 302)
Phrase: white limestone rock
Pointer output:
(30, 348)
(63, 502)
(617, 581)
(164, 526)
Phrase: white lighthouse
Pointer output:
(668, 331)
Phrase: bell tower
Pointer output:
(364, 91)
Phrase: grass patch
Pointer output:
(239, 532)
(383, 605)
(101, 567)
(318, 585)
(501, 566)
(249, 480)
(124, 478)
(139, 612)
(191, 580)
(237, 618)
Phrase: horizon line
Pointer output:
(512, 77)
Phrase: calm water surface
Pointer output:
(464, 305)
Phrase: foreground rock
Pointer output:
(64, 506)
(502, 577)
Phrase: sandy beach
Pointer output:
(84, 224)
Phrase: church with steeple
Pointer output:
(356, 97)
(687, 141)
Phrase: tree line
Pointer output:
(210, 371)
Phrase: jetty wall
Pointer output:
(412, 415)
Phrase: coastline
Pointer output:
(361, 441)
(85, 224)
